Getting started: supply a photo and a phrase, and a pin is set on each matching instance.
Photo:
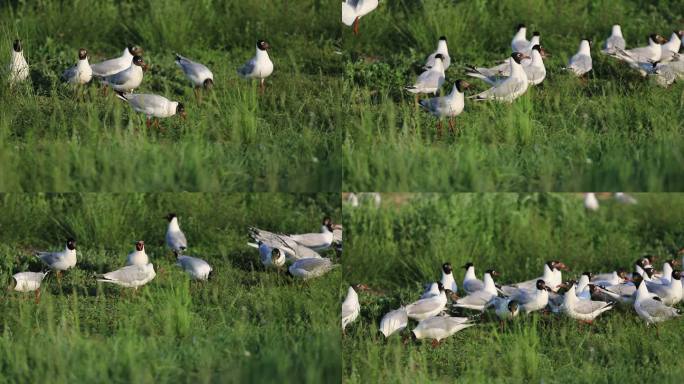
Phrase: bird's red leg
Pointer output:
(451, 125)
(439, 129)
(37, 295)
(148, 122)
(435, 343)
(356, 26)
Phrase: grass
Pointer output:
(244, 325)
(616, 132)
(235, 140)
(401, 246)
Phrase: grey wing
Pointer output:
(476, 298)
(658, 309)
(588, 306)
(348, 310)
(581, 63)
(353, 3)
(428, 79)
(49, 257)
(148, 103)
(475, 285)
(312, 264)
(421, 306)
(614, 42)
(506, 88)
(118, 78)
(127, 274)
(70, 73)
(248, 68)
(432, 104)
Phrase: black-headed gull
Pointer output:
(199, 75)
(425, 308)
(18, 67)
(470, 282)
(670, 292)
(447, 280)
(353, 10)
(478, 300)
(591, 202)
(138, 257)
(449, 106)
(609, 279)
(510, 88)
(534, 69)
(552, 277)
(520, 42)
(128, 79)
(614, 42)
(443, 50)
(431, 290)
(293, 250)
(650, 307)
(670, 49)
(642, 58)
(533, 300)
(504, 307)
(431, 79)
(584, 310)
(311, 267)
(438, 328)
(350, 307)
(260, 66)
(28, 281)
(317, 241)
(175, 238)
(131, 276)
(197, 268)
(61, 261)
(81, 73)
(394, 321)
(153, 106)
(581, 63)
(271, 257)
(116, 65)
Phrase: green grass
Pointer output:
(235, 140)
(399, 247)
(616, 132)
(244, 325)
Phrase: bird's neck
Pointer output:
(470, 273)
(489, 285)
(442, 47)
(261, 55)
(520, 35)
(585, 49)
(173, 225)
(617, 31)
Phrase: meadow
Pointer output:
(399, 247)
(616, 131)
(245, 324)
(233, 140)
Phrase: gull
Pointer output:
(590, 202)
(131, 276)
(642, 58)
(670, 49)
(671, 292)
(441, 50)
(614, 42)
(440, 327)
(128, 79)
(270, 256)
(511, 87)
(552, 277)
(112, 66)
(28, 282)
(350, 307)
(153, 106)
(81, 73)
(394, 321)
(353, 10)
(609, 279)
(650, 307)
(311, 267)
(448, 281)
(666, 275)
(470, 282)
(424, 308)
(584, 310)
(260, 66)
(292, 249)
(504, 307)
(18, 68)
(519, 42)
(624, 198)
(431, 79)
(480, 299)
(623, 293)
(317, 241)
(197, 268)
(199, 75)
(582, 290)
(449, 106)
(175, 238)
(666, 73)
(61, 261)
(533, 300)
(431, 290)
(534, 69)
(580, 63)
(138, 257)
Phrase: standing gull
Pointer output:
(441, 50)
(153, 106)
(132, 276)
(581, 63)
(449, 106)
(353, 10)
(138, 257)
(614, 42)
(61, 261)
(112, 66)
(199, 75)
(81, 73)
(197, 268)
(175, 238)
(18, 68)
(350, 307)
(260, 66)
(510, 88)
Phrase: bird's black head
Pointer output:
(138, 60)
(462, 85)
(520, 26)
(180, 110)
(672, 262)
(679, 33)
(467, 265)
(676, 275)
(537, 48)
(171, 216)
(440, 286)
(275, 253)
(513, 305)
(82, 54)
(134, 50)
(541, 284)
(139, 245)
(637, 279)
(587, 274)
(492, 272)
(658, 39)
(208, 84)
(439, 56)
(591, 43)
(17, 45)
(622, 273)
(536, 33)
(649, 271)
(517, 56)
(71, 244)
(263, 45)
(327, 222)
(443, 38)
(446, 268)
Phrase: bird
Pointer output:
(609, 279)
(650, 307)
(642, 58)
(430, 80)
(197, 268)
(199, 75)
(534, 69)
(350, 307)
(431, 290)
(520, 42)
(438, 328)
(153, 106)
(670, 293)
(470, 282)
(317, 241)
(449, 106)
(175, 238)
(131, 276)
(590, 202)
(443, 50)
(580, 63)
(584, 310)
(478, 300)
(504, 307)
(81, 73)
(393, 321)
(128, 79)
(552, 277)
(28, 282)
(447, 280)
(270, 256)
(353, 10)
(533, 300)
(614, 42)
(138, 257)
(293, 250)
(311, 267)
(424, 308)
(670, 49)
(18, 68)
(509, 88)
(61, 261)
(624, 198)
(116, 65)
(260, 66)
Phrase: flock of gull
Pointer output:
(300, 250)
(125, 73)
(441, 312)
(512, 77)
